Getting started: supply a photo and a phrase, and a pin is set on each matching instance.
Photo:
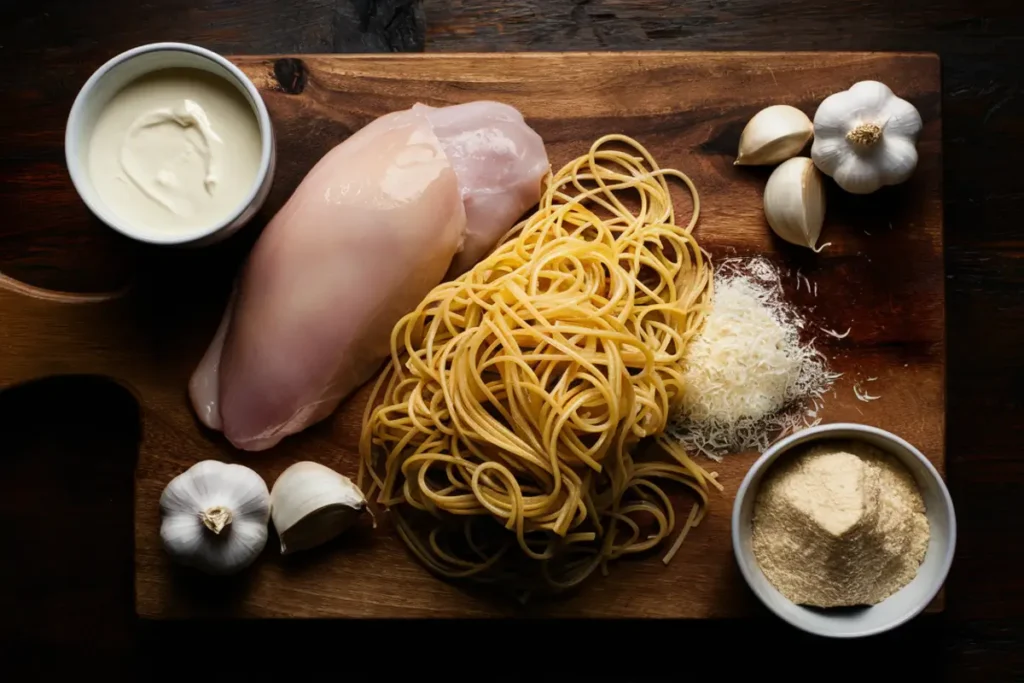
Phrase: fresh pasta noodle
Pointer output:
(507, 432)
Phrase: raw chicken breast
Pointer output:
(368, 233)
(499, 161)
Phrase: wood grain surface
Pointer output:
(882, 277)
(979, 42)
(66, 594)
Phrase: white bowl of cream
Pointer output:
(170, 143)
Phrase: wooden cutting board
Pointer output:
(882, 277)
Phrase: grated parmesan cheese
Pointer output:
(748, 376)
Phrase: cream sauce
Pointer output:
(175, 149)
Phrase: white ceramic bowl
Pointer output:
(115, 75)
(898, 608)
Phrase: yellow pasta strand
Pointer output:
(503, 433)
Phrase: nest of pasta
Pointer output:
(516, 433)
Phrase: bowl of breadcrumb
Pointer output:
(844, 530)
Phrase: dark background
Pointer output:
(66, 485)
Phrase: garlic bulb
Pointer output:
(774, 134)
(214, 517)
(794, 202)
(311, 504)
(866, 137)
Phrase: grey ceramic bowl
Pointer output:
(898, 608)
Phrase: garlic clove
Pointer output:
(903, 119)
(900, 159)
(311, 504)
(774, 134)
(794, 202)
(857, 175)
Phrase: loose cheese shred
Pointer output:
(749, 378)
(862, 395)
(801, 277)
(833, 333)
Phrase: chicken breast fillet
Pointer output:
(372, 228)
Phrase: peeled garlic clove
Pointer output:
(311, 504)
(774, 134)
(794, 202)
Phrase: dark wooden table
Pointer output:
(65, 493)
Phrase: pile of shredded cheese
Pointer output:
(749, 377)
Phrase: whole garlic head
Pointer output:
(214, 517)
(311, 504)
(865, 138)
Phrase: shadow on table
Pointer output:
(68, 450)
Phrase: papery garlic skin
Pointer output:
(773, 135)
(794, 202)
(865, 138)
(214, 517)
(312, 504)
